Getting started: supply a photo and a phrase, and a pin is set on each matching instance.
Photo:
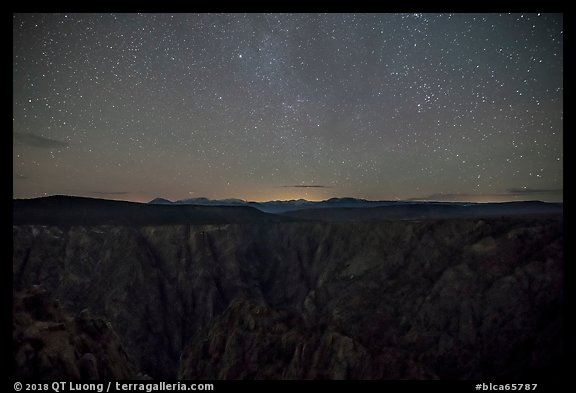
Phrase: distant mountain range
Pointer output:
(71, 210)
(287, 206)
(400, 208)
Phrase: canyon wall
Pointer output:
(448, 299)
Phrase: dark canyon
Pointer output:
(262, 296)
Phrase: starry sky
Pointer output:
(448, 107)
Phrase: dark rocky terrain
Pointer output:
(50, 343)
(465, 298)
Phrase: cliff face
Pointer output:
(252, 340)
(406, 299)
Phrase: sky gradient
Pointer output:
(287, 106)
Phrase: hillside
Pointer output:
(65, 210)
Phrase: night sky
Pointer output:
(286, 106)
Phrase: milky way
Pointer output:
(287, 106)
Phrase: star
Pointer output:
(236, 106)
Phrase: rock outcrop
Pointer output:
(447, 299)
(51, 343)
(251, 340)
